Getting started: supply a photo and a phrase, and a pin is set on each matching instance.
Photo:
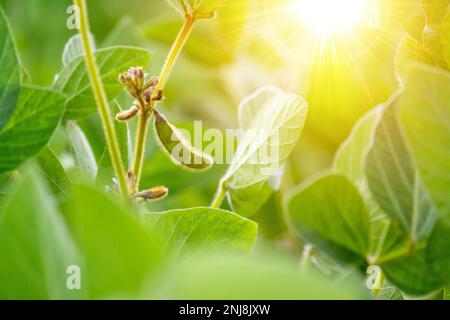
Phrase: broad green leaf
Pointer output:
(438, 253)
(53, 171)
(9, 72)
(35, 118)
(330, 213)
(393, 178)
(36, 247)
(272, 122)
(351, 160)
(202, 7)
(84, 156)
(192, 232)
(409, 52)
(425, 118)
(73, 80)
(120, 254)
(412, 274)
(229, 277)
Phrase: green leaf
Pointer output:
(229, 277)
(84, 156)
(73, 80)
(438, 253)
(425, 118)
(393, 178)
(409, 52)
(35, 245)
(272, 122)
(53, 171)
(202, 7)
(351, 156)
(412, 274)
(35, 118)
(120, 254)
(9, 72)
(192, 232)
(330, 213)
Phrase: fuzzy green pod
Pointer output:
(176, 146)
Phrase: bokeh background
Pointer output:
(252, 43)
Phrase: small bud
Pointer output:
(159, 96)
(128, 114)
(153, 82)
(133, 80)
(153, 194)
(148, 95)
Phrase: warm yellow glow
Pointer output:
(327, 17)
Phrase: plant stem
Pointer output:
(101, 98)
(220, 195)
(142, 129)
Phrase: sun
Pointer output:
(328, 17)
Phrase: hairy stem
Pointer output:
(101, 98)
(142, 129)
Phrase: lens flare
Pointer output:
(328, 17)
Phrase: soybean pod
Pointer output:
(178, 148)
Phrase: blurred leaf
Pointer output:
(120, 254)
(204, 46)
(393, 179)
(125, 32)
(53, 171)
(203, 7)
(82, 151)
(435, 10)
(228, 277)
(35, 244)
(9, 72)
(445, 39)
(330, 213)
(410, 51)
(35, 118)
(74, 49)
(272, 122)
(351, 156)
(198, 231)
(438, 253)
(73, 80)
(412, 274)
(425, 118)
